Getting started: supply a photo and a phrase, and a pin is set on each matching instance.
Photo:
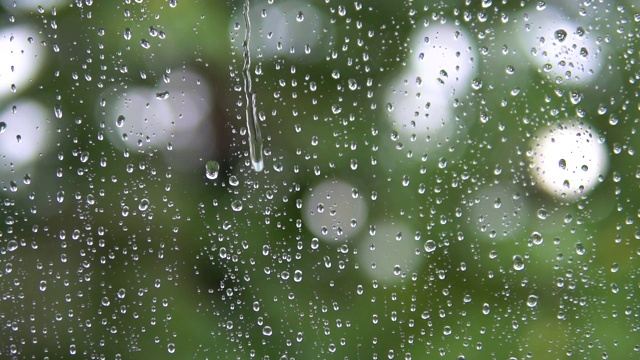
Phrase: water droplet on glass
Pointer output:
(563, 164)
(430, 246)
(12, 245)
(120, 121)
(518, 262)
(536, 238)
(267, 331)
(542, 213)
(144, 205)
(561, 35)
(532, 301)
(300, 16)
(162, 95)
(476, 84)
(236, 205)
(353, 84)
(486, 308)
(57, 111)
(84, 156)
(212, 168)
(584, 52)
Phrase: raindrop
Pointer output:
(536, 238)
(162, 95)
(486, 309)
(532, 301)
(236, 205)
(430, 246)
(57, 111)
(300, 16)
(562, 164)
(561, 35)
(267, 331)
(584, 52)
(12, 245)
(476, 84)
(518, 262)
(212, 168)
(144, 205)
(171, 347)
(120, 121)
(542, 213)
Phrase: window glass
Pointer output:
(292, 179)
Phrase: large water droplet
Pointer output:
(561, 35)
(236, 205)
(430, 246)
(518, 262)
(212, 168)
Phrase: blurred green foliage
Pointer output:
(189, 277)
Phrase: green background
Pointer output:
(191, 278)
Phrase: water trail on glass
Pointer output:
(255, 138)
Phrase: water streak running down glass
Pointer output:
(253, 125)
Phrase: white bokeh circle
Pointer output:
(564, 49)
(173, 113)
(425, 119)
(293, 29)
(443, 57)
(568, 159)
(391, 253)
(332, 210)
(422, 98)
(24, 133)
(497, 211)
(139, 119)
(22, 57)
